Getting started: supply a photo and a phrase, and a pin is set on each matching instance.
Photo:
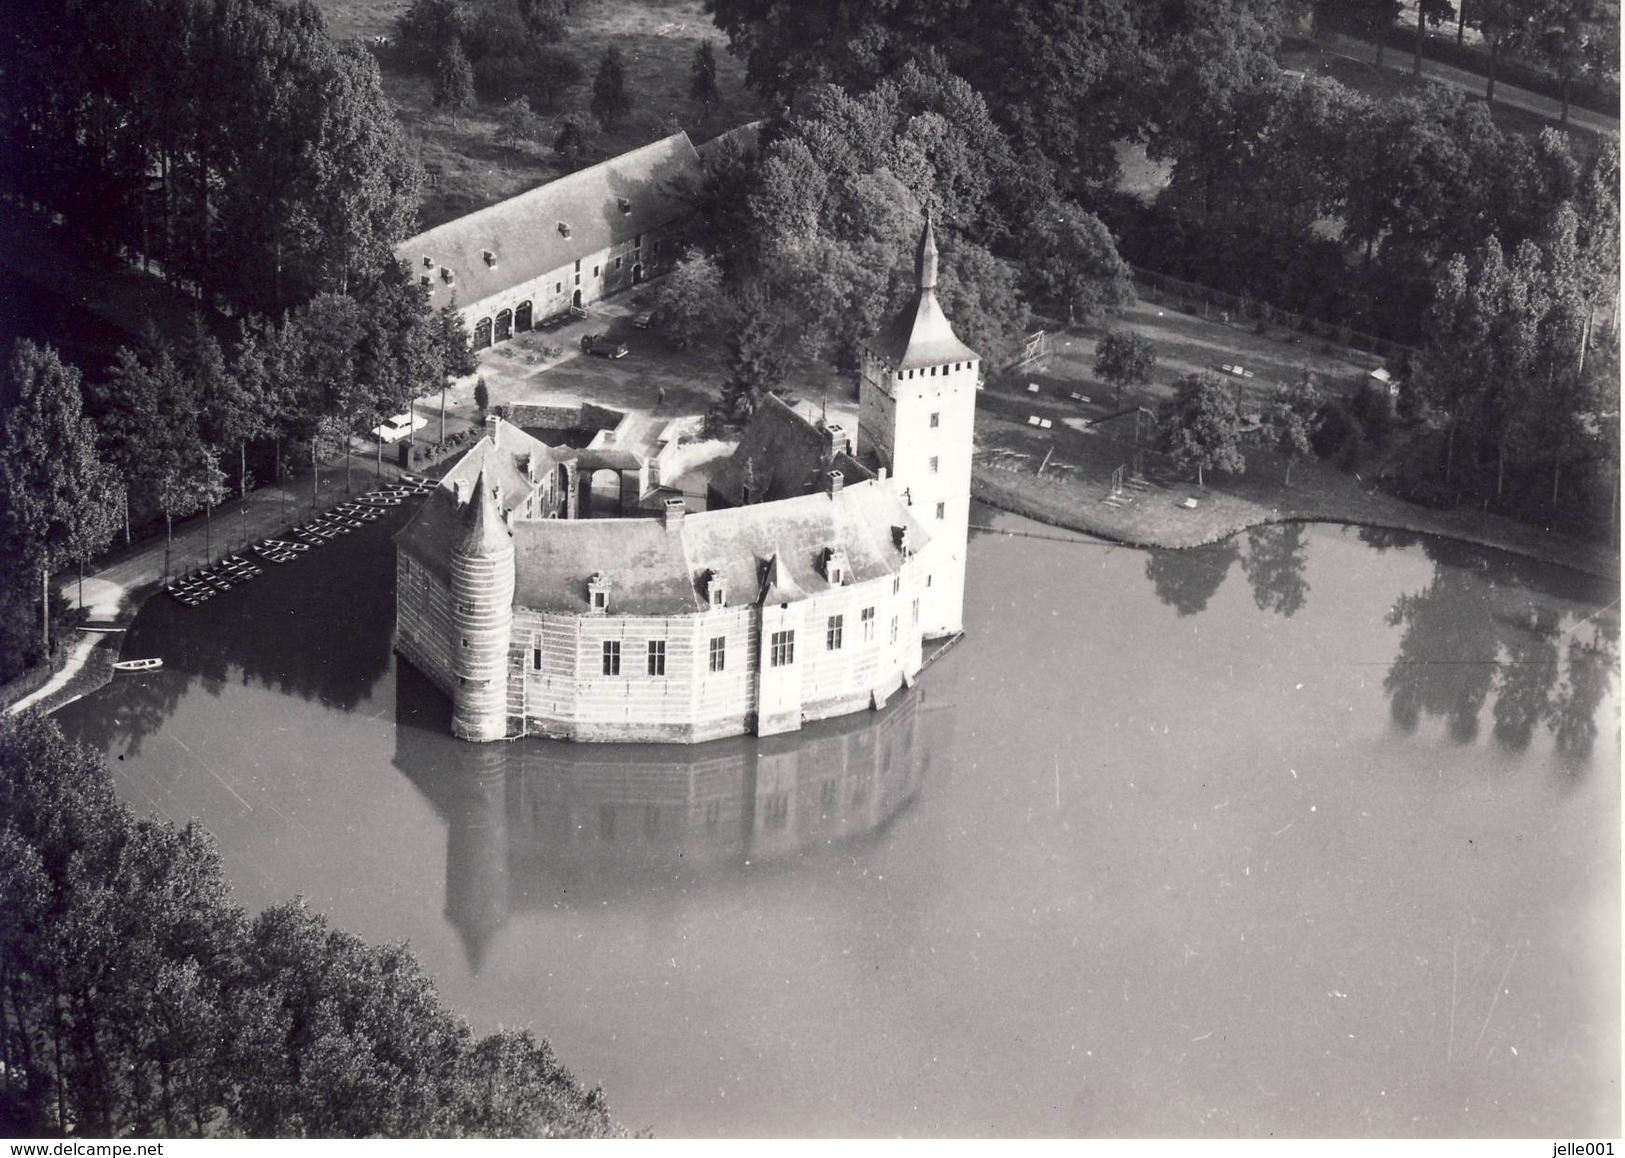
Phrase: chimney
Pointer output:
(492, 422)
(833, 481)
(882, 474)
(672, 513)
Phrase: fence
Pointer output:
(1233, 309)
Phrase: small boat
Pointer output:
(138, 664)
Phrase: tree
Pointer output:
(702, 80)
(571, 142)
(140, 1001)
(1502, 23)
(1200, 426)
(1371, 19)
(1125, 358)
(482, 397)
(689, 301)
(454, 81)
(516, 124)
(1291, 416)
(1072, 259)
(58, 500)
(611, 102)
(1575, 38)
(1434, 12)
(543, 20)
(427, 27)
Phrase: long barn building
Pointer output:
(810, 599)
(587, 235)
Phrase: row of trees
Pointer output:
(230, 142)
(140, 1001)
(1576, 41)
(1342, 207)
(172, 424)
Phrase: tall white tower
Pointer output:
(917, 412)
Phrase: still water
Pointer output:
(1316, 831)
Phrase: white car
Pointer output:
(399, 427)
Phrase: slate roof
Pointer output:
(789, 456)
(522, 232)
(657, 569)
(441, 522)
(484, 532)
(921, 335)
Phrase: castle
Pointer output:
(812, 598)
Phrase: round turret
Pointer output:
(482, 581)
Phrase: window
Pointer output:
(896, 584)
(612, 657)
(868, 619)
(597, 270)
(465, 607)
(578, 278)
(637, 242)
(784, 648)
(833, 632)
(936, 419)
(916, 613)
(617, 263)
(894, 629)
(935, 463)
(578, 264)
(719, 652)
(536, 652)
(928, 580)
(558, 287)
(657, 657)
(465, 641)
(942, 510)
(600, 600)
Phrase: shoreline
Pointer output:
(88, 667)
(1221, 515)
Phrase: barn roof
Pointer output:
(610, 202)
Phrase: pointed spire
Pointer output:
(483, 530)
(925, 262)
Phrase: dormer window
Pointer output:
(428, 262)
(490, 258)
(903, 538)
(716, 590)
(623, 205)
(447, 276)
(836, 569)
(428, 282)
(564, 229)
(598, 592)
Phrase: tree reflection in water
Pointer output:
(1469, 633)
(1274, 567)
(1185, 580)
(331, 624)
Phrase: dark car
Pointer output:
(603, 345)
(646, 319)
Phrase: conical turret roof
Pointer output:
(484, 532)
(920, 335)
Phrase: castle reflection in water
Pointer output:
(539, 823)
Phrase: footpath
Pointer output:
(1471, 82)
(114, 592)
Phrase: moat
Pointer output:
(1314, 831)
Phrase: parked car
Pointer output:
(646, 319)
(399, 427)
(603, 345)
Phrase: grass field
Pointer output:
(468, 169)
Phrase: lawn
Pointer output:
(466, 167)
